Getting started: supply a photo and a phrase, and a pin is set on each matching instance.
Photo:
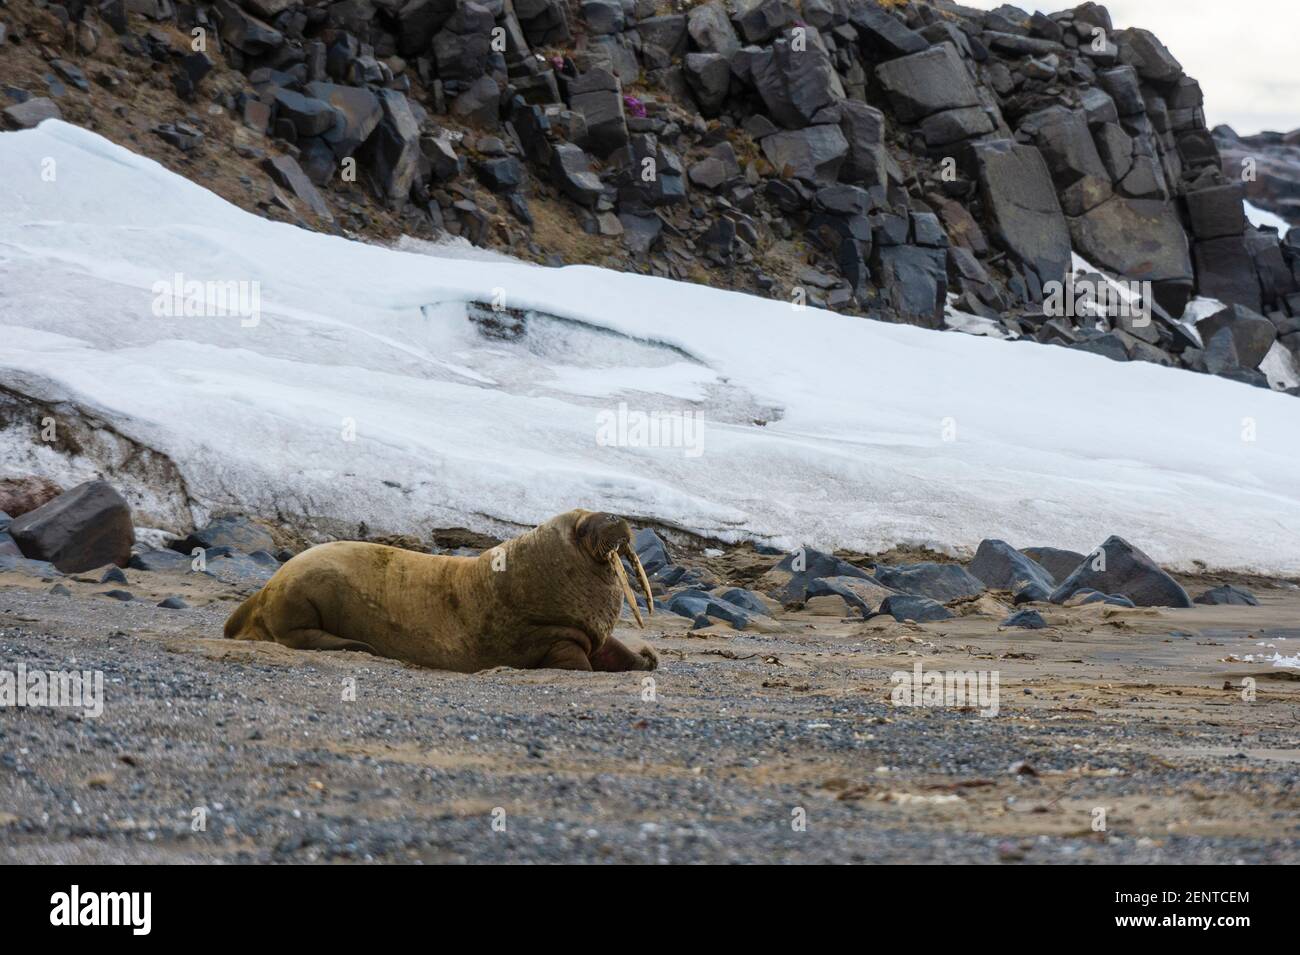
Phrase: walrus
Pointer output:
(546, 599)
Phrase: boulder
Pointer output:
(1022, 205)
(1228, 594)
(285, 171)
(955, 125)
(160, 560)
(904, 607)
(881, 35)
(711, 30)
(915, 281)
(794, 84)
(1117, 567)
(1059, 563)
(245, 32)
(597, 96)
(1252, 334)
(863, 594)
(359, 112)
(1122, 85)
(709, 77)
(30, 113)
(1217, 211)
(544, 22)
(1025, 620)
(927, 82)
(310, 117)
(1000, 566)
(943, 582)
(789, 580)
(84, 528)
(418, 21)
(1141, 50)
(1225, 271)
(1141, 240)
(760, 20)
(572, 172)
(863, 127)
(1081, 178)
(232, 531)
(394, 150)
(813, 154)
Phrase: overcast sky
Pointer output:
(1246, 53)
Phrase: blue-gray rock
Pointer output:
(1089, 596)
(1059, 563)
(60, 590)
(1022, 206)
(790, 585)
(29, 568)
(693, 603)
(156, 560)
(1025, 619)
(1117, 567)
(1252, 334)
(865, 594)
(881, 34)
(113, 575)
(1228, 594)
(174, 603)
(745, 599)
(123, 595)
(919, 609)
(650, 549)
(942, 582)
(928, 82)
(229, 530)
(1002, 567)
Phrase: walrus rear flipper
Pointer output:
(238, 626)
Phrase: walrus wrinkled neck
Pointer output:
(548, 581)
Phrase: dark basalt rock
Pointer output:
(86, 527)
(1117, 567)
(1228, 594)
(943, 582)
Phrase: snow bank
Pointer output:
(365, 393)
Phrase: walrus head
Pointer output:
(606, 539)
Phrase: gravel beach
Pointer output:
(750, 747)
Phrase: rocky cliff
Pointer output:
(903, 161)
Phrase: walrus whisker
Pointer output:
(635, 561)
(627, 587)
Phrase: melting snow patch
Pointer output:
(366, 392)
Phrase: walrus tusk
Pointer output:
(635, 561)
(627, 588)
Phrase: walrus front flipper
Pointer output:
(565, 655)
(307, 639)
(615, 657)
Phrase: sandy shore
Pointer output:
(1133, 718)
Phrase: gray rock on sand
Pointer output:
(1117, 567)
(1025, 620)
(918, 609)
(160, 560)
(789, 584)
(1228, 594)
(942, 582)
(81, 529)
(1059, 563)
(234, 531)
(1002, 567)
(864, 594)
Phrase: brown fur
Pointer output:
(553, 602)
